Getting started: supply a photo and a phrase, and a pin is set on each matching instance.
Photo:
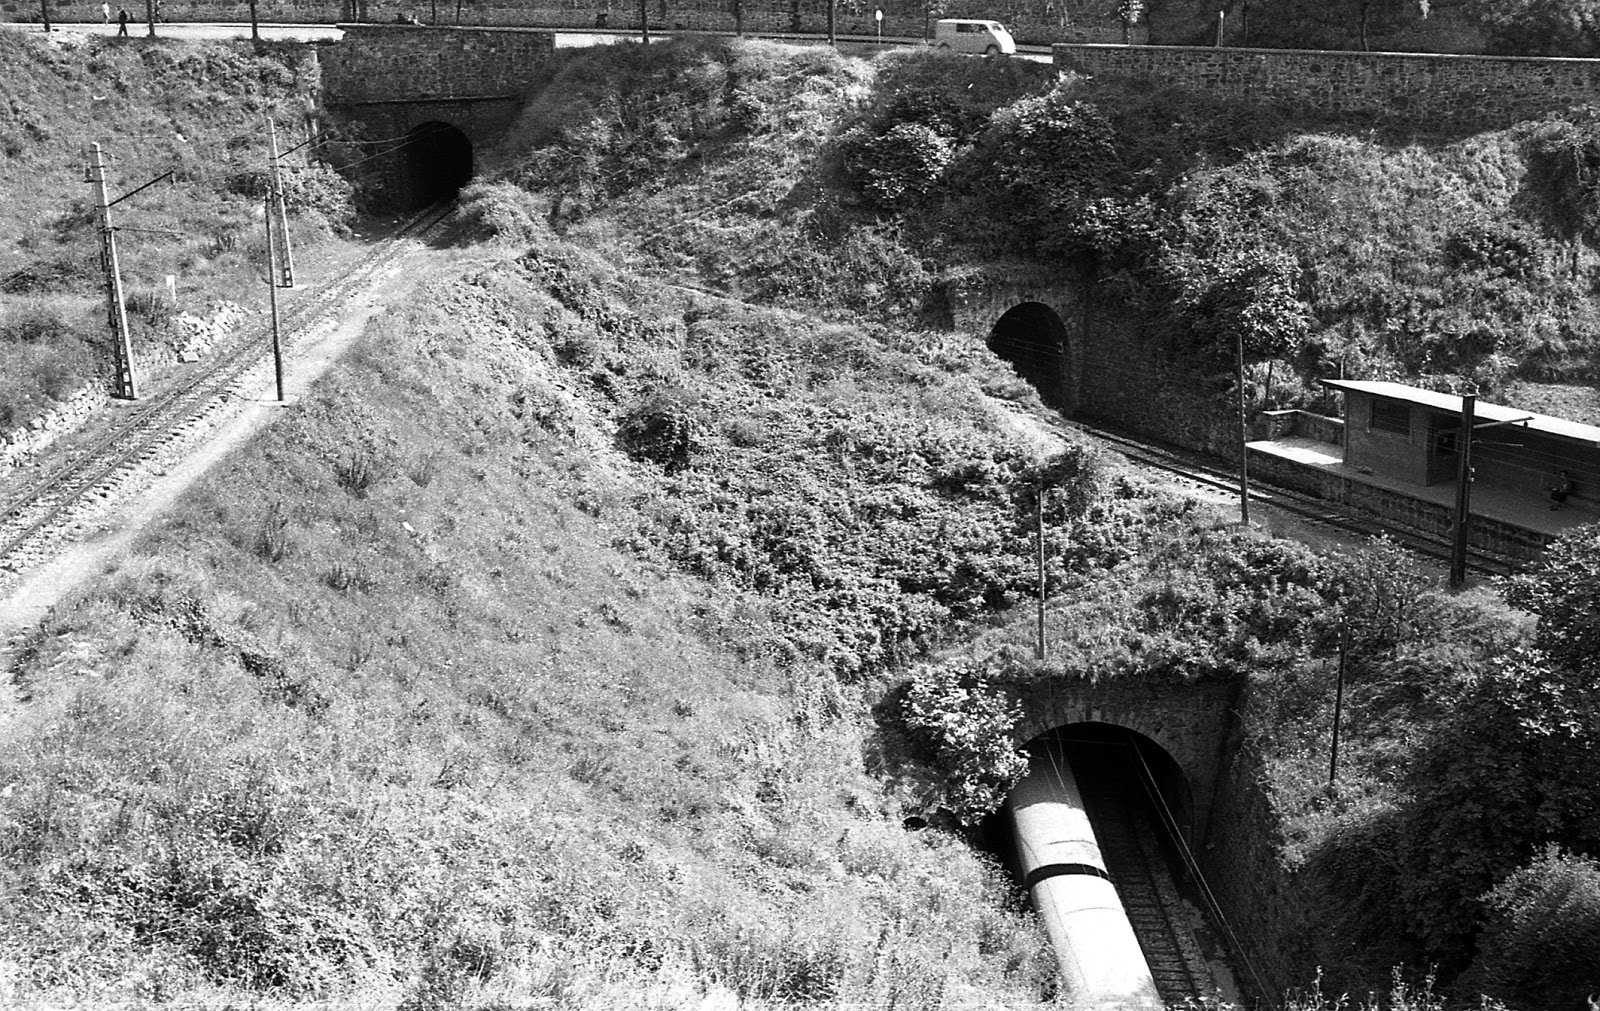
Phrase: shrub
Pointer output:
(666, 427)
(34, 322)
(1544, 933)
(953, 710)
(899, 167)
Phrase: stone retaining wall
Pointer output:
(393, 63)
(18, 446)
(1422, 90)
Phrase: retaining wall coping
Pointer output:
(1576, 61)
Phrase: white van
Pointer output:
(970, 36)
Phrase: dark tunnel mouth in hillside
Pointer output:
(1032, 337)
(1126, 747)
(438, 162)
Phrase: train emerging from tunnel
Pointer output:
(1064, 872)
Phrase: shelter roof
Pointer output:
(1451, 404)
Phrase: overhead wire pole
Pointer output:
(1458, 542)
(1244, 436)
(116, 310)
(833, 39)
(272, 298)
(1039, 646)
(1463, 515)
(644, 21)
(1338, 701)
(150, 18)
(287, 263)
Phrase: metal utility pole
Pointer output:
(44, 13)
(287, 279)
(1038, 648)
(644, 21)
(1458, 544)
(116, 311)
(833, 38)
(1338, 700)
(150, 18)
(272, 298)
(1244, 434)
(255, 23)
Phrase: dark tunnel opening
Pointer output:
(1113, 759)
(437, 160)
(1034, 340)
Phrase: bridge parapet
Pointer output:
(380, 64)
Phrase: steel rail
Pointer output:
(27, 514)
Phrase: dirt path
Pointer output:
(155, 490)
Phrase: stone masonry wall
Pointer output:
(1032, 21)
(1191, 722)
(377, 63)
(1436, 91)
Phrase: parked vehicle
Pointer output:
(964, 35)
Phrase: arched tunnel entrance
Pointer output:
(1032, 337)
(1122, 763)
(436, 162)
(1096, 835)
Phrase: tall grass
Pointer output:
(444, 743)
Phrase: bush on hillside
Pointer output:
(953, 710)
(898, 168)
(1540, 948)
(666, 426)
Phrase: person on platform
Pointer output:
(105, 14)
(1563, 488)
(122, 22)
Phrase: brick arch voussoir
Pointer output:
(1062, 713)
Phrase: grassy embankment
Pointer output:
(844, 189)
(418, 701)
(194, 109)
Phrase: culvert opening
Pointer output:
(1032, 337)
(437, 160)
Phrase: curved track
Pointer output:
(1207, 471)
(33, 515)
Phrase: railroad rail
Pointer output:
(1139, 870)
(42, 510)
(1209, 472)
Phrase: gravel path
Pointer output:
(157, 485)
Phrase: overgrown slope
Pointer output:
(195, 110)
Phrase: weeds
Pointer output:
(273, 541)
(359, 470)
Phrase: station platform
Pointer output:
(1321, 470)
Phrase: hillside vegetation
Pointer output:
(196, 110)
(633, 620)
(1443, 261)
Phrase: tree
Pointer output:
(1251, 294)
(1544, 933)
(1539, 27)
(1512, 768)
(1564, 591)
(1129, 12)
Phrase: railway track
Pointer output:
(1138, 868)
(43, 510)
(1206, 471)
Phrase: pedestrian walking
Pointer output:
(105, 14)
(122, 22)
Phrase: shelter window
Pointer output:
(1390, 416)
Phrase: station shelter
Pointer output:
(1395, 452)
(1411, 434)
